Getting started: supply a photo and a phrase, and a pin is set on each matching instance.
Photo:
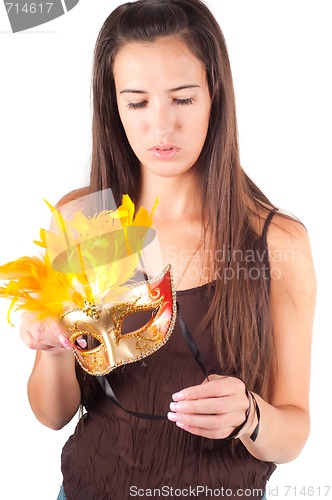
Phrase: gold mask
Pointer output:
(85, 279)
(103, 326)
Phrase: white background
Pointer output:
(280, 52)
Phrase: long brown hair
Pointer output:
(239, 315)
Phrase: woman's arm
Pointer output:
(214, 409)
(285, 421)
(53, 389)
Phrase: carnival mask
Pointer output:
(86, 280)
(100, 340)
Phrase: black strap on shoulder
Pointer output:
(266, 225)
(191, 343)
(265, 245)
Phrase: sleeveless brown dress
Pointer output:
(115, 456)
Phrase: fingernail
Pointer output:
(64, 341)
(178, 396)
(183, 426)
(171, 416)
(81, 342)
(174, 406)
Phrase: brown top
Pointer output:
(113, 454)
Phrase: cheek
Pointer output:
(199, 129)
(134, 130)
(134, 126)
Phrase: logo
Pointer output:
(23, 15)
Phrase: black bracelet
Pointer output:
(255, 432)
(236, 432)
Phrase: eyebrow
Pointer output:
(176, 89)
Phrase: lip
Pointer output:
(164, 151)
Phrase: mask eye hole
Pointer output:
(85, 342)
(137, 320)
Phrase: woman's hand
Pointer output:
(46, 335)
(213, 409)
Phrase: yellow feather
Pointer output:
(90, 258)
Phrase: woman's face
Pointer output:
(164, 104)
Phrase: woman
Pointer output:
(164, 125)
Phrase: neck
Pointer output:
(178, 196)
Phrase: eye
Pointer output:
(184, 102)
(137, 105)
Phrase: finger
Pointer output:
(218, 425)
(64, 341)
(32, 343)
(221, 386)
(210, 406)
(47, 333)
(42, 335)
(59, 333)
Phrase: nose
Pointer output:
(164, 119)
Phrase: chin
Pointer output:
(166, 169)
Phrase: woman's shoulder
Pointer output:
(73, 196)
(288, 246)
(291, 263)
(276, 226)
